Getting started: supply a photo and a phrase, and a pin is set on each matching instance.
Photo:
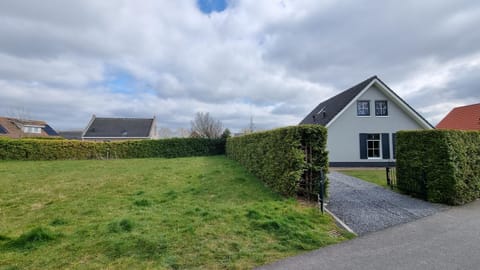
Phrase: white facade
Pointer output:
(345, 141)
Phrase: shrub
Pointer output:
(449, 160)
(32, 238)
(124, 225)
(288, 160)
(58, 222)
(32, 149)
(142, 202)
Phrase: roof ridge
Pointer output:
(356, 85)
(335, 104)
(143, 118)
(469, 105)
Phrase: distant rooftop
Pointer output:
(101, 127)
(462, 118)
(20, 128)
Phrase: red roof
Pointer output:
(463, 118)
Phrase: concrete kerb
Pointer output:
(340, 222)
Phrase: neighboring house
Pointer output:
(463, 118)
(20, 128)
(112, 129)
(71, 134)
(362, 122)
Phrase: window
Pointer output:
(30, 129)
(363, 108)
(381, 108)
(373, 146)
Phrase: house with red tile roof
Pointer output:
(462, 118)
(20, 128)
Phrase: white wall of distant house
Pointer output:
(343, 133)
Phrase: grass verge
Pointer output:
(202, 212)
(374, 176)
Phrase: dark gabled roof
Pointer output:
(119, 128)
(71, 134)
(327, 110)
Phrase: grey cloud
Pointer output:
(272, 61)
(464, 86)
(386, 38)
(289, 109)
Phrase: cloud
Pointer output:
(273, 60)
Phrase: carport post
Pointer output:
(389, 182)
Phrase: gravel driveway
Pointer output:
(366, 207)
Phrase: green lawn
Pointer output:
(202, 213)
(375, 176)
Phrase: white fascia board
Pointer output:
(402, 104)
(88, 125)
(350, 103)
(116, 137)
(37, 126)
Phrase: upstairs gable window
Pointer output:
(363, 108)
(381, 108)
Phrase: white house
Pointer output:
(362, 122)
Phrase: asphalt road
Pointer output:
(366, 207)
(446, 240)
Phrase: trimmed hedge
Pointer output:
(32, 149)
(449, 160)
(285, 158)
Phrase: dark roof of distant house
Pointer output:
(327, 110)
(71, 134)
(12, 128)
(462, 118)
(119, 128)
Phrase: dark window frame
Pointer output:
(379, 111)
(374, 146)
(367, 108)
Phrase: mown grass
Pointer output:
(202, 213)
(375, 176)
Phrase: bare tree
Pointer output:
(182, 132)
(204, 126)
(165, 132)
(19, 113)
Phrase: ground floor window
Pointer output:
(373, 145)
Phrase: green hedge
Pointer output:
(279, 157)
(449, 160)
(32, 149)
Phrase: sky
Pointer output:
(270, 61)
